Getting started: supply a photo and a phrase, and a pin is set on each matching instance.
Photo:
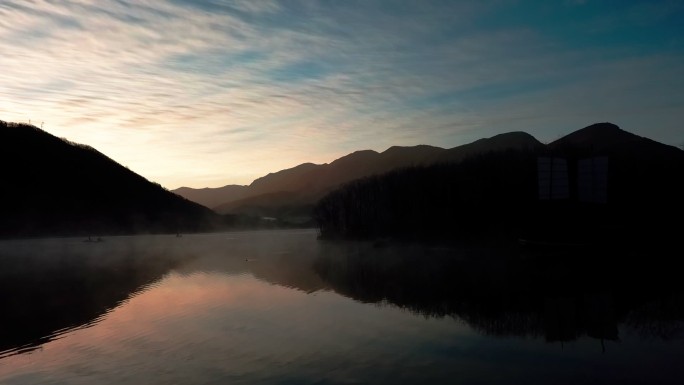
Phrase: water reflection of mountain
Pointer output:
(50, 287)
(502, 292)
(496, 291)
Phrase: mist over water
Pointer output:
(281, 307)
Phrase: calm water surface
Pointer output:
(280, 307)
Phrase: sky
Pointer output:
(205, 93)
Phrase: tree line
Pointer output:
(497, 195)
(483, 194)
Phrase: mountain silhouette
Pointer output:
(645, 176)
(54, 187)
(293, 192)
(212, 197)
(608, 138)
(615, 184)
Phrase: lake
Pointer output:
(281, 307)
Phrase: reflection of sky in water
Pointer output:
(204, 326)
(220, 318)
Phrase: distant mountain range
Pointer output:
(291, 193)
(51, 186)
(54, 187)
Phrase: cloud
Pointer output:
(211, 92)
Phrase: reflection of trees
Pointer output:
(659, 318)
(48, 292)
(497, 293)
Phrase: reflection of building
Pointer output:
(590, 182)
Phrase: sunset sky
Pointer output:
(204, 93)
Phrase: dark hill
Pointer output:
(599, 135)
(285, 180)
(498, 193)
(55, 187)
(644, 175)
(502, 142)
(212, 197)
(305, 184)
(607, 138)
(283, 204)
